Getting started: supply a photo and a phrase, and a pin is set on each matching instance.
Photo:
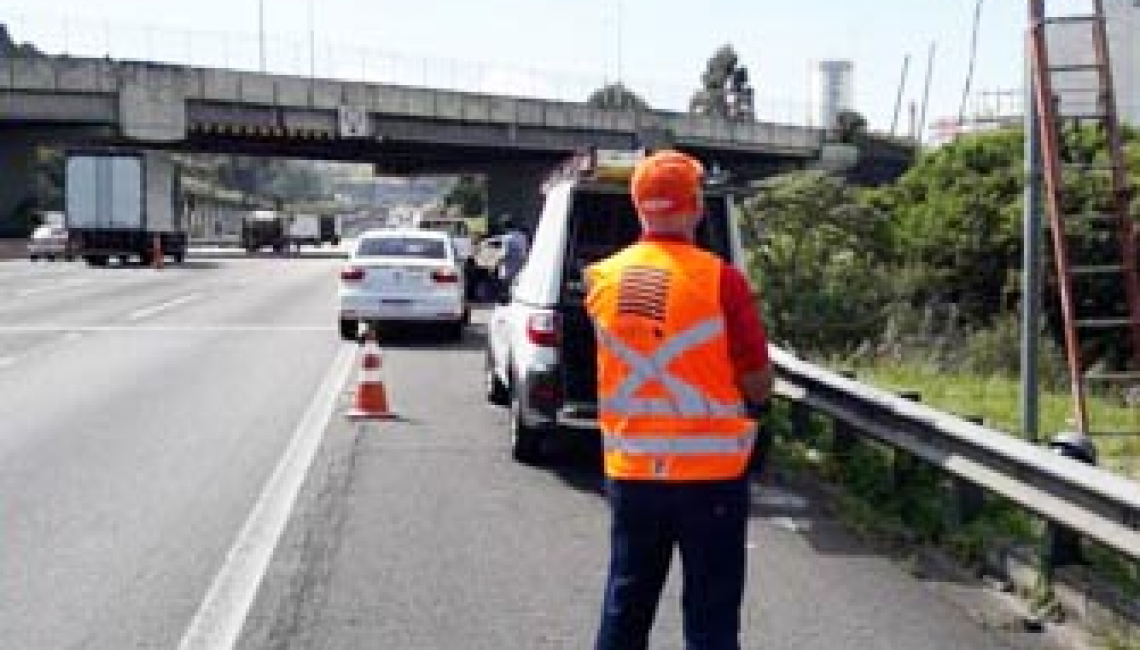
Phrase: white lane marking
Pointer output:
(221, 615)
(62, 284)
(72, 336)
(147, 312)
(6, 362)
(48, 327)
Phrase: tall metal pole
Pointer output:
(261, 32)
(926, 95)
(1031, 256)
(312, 44)
(898, 99)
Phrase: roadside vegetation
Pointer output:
(915, 286)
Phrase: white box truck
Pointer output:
(121, 204)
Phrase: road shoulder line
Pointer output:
(221, 615)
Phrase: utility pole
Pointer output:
(926, 95)
(261, 32)
(1031, 255)
(312, 44)
(619, 43)
(898, 99)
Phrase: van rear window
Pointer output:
(603, 223)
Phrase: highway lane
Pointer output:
(142, 412)
(422, 534)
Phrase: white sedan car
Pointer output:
(403, 276)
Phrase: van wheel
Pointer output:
(526, 440)
(496, 391)
(349, 329)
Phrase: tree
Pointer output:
(469, 194)
(821, 257)
(616, 96)
(725, 90)
(850, 126)
(10, 48)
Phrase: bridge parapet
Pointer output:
(166, 86)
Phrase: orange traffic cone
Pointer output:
(371, 399)
(156, 253)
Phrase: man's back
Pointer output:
(514, 253)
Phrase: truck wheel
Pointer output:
(95, 260)
(527, 441)
(349, 329)
(496, 390)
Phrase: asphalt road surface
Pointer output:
(143, 413)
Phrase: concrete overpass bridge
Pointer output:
(399, 129)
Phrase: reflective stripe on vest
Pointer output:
(689, 445)
(687, 401)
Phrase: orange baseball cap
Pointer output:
(667, 184)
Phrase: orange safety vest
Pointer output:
(668, 404)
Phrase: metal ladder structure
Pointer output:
(1094, 251)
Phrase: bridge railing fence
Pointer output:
(340, 60)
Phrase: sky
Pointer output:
(563, 50)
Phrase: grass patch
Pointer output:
(997, 400)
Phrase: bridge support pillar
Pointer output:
(514, 188)
(18, 190)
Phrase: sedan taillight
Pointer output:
(542, 329)
(445, 276)
(352, 274)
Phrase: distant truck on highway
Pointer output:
(313, 230)
(265, 229)
(120, 204)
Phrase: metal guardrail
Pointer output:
(1088, 500)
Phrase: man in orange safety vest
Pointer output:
(681, 356)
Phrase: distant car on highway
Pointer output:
(49, 242)
(403, 276)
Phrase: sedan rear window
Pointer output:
(415, 247)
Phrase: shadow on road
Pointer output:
(430, 336)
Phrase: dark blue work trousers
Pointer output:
(708, 521)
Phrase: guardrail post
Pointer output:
(902, 466)
(843, 435)
(801, 420)
(1064, 544)
(969, 499)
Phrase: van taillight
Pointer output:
(444, 276)
(352, 274)
(542, 329)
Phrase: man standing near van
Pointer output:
(681, 356)
(515, 248)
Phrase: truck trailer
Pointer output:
(124, 205)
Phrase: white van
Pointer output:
(541, 355)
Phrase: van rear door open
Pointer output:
(602, 222)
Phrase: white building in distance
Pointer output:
(834, 90)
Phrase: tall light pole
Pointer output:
(261, 32)
(619, 26)
(312, 44)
